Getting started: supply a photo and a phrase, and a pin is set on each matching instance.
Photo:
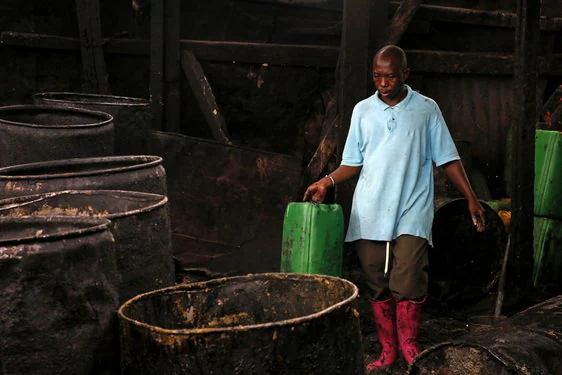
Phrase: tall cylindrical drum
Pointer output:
(34, 133)
(132, 116)
(57, 305)
(464, 264)
(255, 324)
(140, 224)
(144, 173)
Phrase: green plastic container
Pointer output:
(313, 239)
(548, 174)
(547, 254)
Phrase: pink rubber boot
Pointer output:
(408, 320)
(384, 313)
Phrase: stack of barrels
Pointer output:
(84, 227)
(87, 273)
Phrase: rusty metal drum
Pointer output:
(132, 116)
(140, 225)
(57, 303)
(271, 323)
(144, 173)
(34, 133)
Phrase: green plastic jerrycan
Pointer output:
(313, 239)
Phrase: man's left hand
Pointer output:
(477, 213)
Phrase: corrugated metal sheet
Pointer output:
(477, 109)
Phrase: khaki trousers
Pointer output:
(407, 268)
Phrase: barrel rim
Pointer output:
(196, 331)
(98, 224)
(108, 119)
(151, 160)
(51, 97)
(24, 200)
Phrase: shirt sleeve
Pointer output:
(443, 149)
(352, 155)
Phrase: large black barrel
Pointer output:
(528, 343)
(253, 325)
(56, 303)
(32, 133)
(135, 173)
(464, 264)
(132, 116)
(140, 225)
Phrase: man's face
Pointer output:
(389, 77)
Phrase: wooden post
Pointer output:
(527, 37)
(364, 29)
(91, 47)
(157, 63)
(172, 70)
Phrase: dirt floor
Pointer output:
(440, 324)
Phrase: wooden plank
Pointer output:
(172, 70)
(157, 63)
(263, 53)
(527, 44)
(317, 4)
(325, 149)
(91, 45)
(420, 61)
(39, 41)
(205, 97)
(476, 16)
(401, 19)
(460, 62)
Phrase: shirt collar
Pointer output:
(404, 102)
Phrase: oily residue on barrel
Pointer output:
(58, 211)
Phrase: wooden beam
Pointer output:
(401, 19)
(523, 147)
(459, 62)
(468, 16)
(268, 53)
(91, 45)
(172, 70)
(157, 63)
(205, 97)
(317, 4)
(420, 61)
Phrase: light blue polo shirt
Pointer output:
(396, 146)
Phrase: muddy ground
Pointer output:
(440, 323)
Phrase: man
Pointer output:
(394, 138)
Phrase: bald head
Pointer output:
(393, 55)
(389, 73)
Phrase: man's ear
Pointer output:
(406, 73)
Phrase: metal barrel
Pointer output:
(57, 304)
(528, 343)
(144, 173)
(34, 133)
(254, 324)
(132, 116)
(464, 265)
(140, 224)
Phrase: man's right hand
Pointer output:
(317, 191)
